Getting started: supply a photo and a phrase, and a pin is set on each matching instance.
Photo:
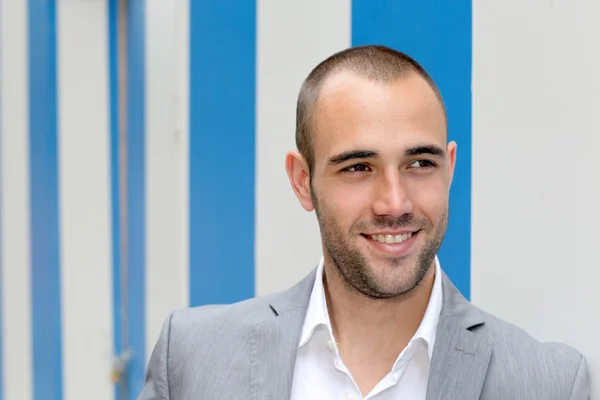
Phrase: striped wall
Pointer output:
(17, 343)
(287, 49)
(83, 187)
(121, 202)
(115, 103)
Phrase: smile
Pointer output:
(392, 238)
(393, 244)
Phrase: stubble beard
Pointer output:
(354, 267)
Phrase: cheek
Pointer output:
(430, 198)
(346, 202)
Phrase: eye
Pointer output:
(356, 168)
(422, 164)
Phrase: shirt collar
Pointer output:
(318, 315)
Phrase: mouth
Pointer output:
(392, 243)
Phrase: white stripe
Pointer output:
(14, 116)
(182, 105)
(536, 191)
(85, 214)
(292, 38)
(166, 150)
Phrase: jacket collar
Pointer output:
(455, 306)
(460, 356)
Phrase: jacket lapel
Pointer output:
(274, 342)
(460, 357)
(461, 354)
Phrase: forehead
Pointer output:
(353, 111)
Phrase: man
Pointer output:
(377, 319)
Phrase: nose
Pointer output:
(391, 196)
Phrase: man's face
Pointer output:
(381, 179)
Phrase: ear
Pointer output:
(451, 154)
(297, 171)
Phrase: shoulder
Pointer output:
(514, 341)
(219, 319)
(200, 346)
(237, 318)
(519, 363)
(208, 339)
(211, 327)
(527, 365)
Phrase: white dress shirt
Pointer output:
(320, 373)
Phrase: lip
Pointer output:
(394, 233)
(392, 249)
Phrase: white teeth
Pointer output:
(391, 238)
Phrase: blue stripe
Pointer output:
(222, 164)
(1, 272)
(1, 240)
(136, 204)
(1, 276)
(43, 158)
(437, 33)
(113, 60)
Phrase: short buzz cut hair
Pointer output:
(377, 63)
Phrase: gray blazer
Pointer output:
(247, 351)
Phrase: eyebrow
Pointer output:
(424, 149)
(352, 155)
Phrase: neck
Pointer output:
(366, 327)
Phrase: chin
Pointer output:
(401, 277)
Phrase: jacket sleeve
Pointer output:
(581, 386)
(156, 386)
